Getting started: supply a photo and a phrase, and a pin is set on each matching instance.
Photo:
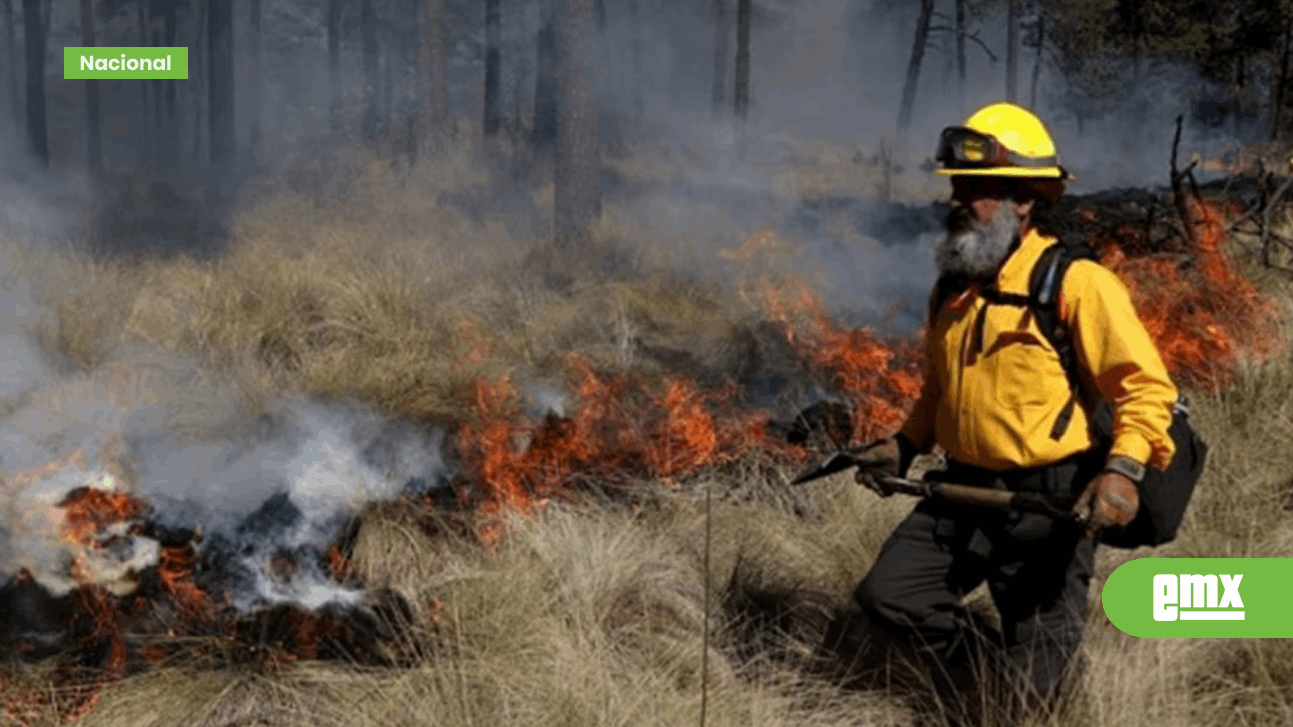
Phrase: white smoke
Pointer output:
(544, 400)
(35, 540)
(288, 495)
(263, 494)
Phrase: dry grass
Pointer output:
(587, 615)
(387, 297)
(581, 617)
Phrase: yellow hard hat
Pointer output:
(1000, 140)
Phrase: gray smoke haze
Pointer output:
(827, 75)
(826, 82)
(20, 370)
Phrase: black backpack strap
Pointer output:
(1044, 288)
(996, 297)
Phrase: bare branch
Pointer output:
(975, 37)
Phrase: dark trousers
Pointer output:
(1037, 570)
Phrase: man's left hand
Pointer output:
(1110, 499)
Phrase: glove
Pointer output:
(891, 456)
(1110, 499)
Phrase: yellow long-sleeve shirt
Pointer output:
(995, 407)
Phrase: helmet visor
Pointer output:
(960, 147)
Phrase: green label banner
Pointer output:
(1212, 598)
(126, 62)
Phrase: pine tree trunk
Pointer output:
(1239, 92)
(577, 175)
(913, 67)
(949, 66)
(518, 23)
(639, 104)
(385, 121)
(434, 111)
(254, 95)
(1037, 61)
(144, 135)
(545, 82)
(960, 54)
(169, 114)
(718, 94)
(1129, 14)
(408, 104)
(1279, 88)
(741, 103)
(608, 120)
(156, 97)
(493, 23)
(199, 82)
(93, 129)
(11, 56)
(372, 79)
(1012, 50)
(220, 66)
(334, 66)
(515, 84)
(34, 41)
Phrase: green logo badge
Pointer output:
(129, 62)
(1213, 598)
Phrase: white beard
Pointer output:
(975, 250)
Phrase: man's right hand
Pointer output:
(883, 457)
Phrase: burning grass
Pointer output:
(1205, 319)
(630, 388)
(598, 626)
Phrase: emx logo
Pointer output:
(1194, 597)
(1201, 598)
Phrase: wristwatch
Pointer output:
(1126, 466)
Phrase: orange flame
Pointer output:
(153, 653)
(89, 510)
(338, 567)
(1203, 318)
(307, 631)
(622, 423)
(881, 379)
(176, 573)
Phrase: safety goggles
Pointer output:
(964, 148)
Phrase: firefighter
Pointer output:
(993, 396)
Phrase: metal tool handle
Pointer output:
(985, 497)
(952, 492)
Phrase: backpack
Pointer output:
(1164, 494)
